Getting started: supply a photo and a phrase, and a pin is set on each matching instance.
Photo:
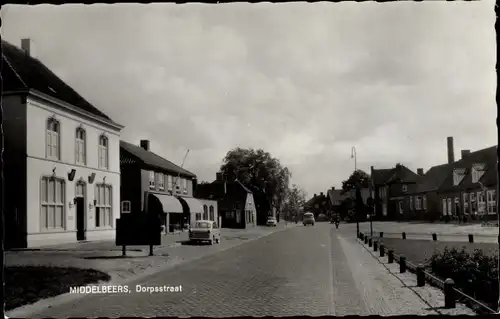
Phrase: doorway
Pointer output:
(80, 211)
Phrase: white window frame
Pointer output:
(48, 218)
(126, 207)
(411, 202)
(80, 146)
(481, 202)
(184, 185)
(476, 174)
(161, 181)
(53, 139)
(491, 201)
(152, 181)
(169, 182)
(211, 212)
(107, 220)
(418, 203)
(424, 202)
(466, 201)
(443, 206)
(448, 202)
(103, 151)
(404, 188)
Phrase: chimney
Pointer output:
(451, 150)
(333, 188)
(465, 153)
(314, 196)
(321, 194)
(420, 171)
(145, 145)
(28, 47)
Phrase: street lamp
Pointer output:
(353, 155)
(369, 216)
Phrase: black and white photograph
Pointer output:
(249, 159)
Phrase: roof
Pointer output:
(433, 178)
(215, 189)
(400, 173)
(487, 156)
(336, 195)
(21, 72)
(381, 176)
(151, 159)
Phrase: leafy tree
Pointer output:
(358, 180)
(294, 200)
(260, 170)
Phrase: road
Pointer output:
(310, 271)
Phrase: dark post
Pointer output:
(402, 264)
(361, 236)
(471, 238)
(434, 237)
(382, 250)
(404, 235)
(420, 276)
(371, 224)
(449, 293)
(381, 234)
(390, 256)
(124, 250)
(366, 239)
(375, 245)
(150, 250)
(357, 225)
(370, 243)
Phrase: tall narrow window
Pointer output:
(169, 182)
(80, 146)
(103, 207)
(161, 181)
(184, 186)
(481, 203)
(212, 213)
(205, 212)
(103, 152)
(443, 202)
(152, 182)
(53, 139)
(449, 206)
(492, 202)
(52, 203)
(424, 202)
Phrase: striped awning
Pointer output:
(195, 206)
(170, 203)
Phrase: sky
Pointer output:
(303, 81)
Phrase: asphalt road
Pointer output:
(299, 271)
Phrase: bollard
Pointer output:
(449, 293)
(375, 246)
(370, 242)
(361, 236)
(471, 238)
(381, 234)
(124, 250)
(434, 237)
(382, 250)
(390, 256)
(420, 276)
(366, 239)
(402, 264)
(151, 250)
(404, 235)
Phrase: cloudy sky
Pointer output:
(304, 81)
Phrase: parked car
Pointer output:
(205, 231)
(271, 221)
(322, 218)
(308, 219)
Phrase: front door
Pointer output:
(80, 219)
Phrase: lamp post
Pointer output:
(353, 155)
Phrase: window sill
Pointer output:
(102, 228)
(53, 230)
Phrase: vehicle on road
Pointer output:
(205, 231)
(271, 221)
(322, 218)
(308, 219)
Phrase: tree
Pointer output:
(294, 201)
(259, 169)
(358, 180)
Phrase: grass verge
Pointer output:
(28, 284)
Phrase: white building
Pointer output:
(62, 168)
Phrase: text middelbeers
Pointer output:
(119, 289)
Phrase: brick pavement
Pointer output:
(427, 228)
(302, 271)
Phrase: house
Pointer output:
(390, 189)
(152, 184)
(335, 199)
(61, 157)
(318, 204)
(235, 202)
(470, 186)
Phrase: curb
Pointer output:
(29, 310)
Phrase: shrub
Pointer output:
(476, 274)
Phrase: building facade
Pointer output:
(61, 158)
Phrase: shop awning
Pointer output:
(170, 203)
(195, 206)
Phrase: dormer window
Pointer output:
(53, 139)
(458, 176)
(477, 172)
(103, 152)
(404, 188)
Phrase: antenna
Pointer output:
(179, 174)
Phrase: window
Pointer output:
(177, 183)
(161, 182)
(152, 184)
(449, 206)
(53, 139)
(184, 186)
(103, 211)
(52, 203)
(458, 176)
(80, 146)
(404, 188)
(417, 203)
(126, 207)
(457, 205)
(198, 216)
(466, 202)
(492, 202)
(212, 213)
(477, 172)
(169, 182)
(481, 203)
(411, 202)
(103, 152)
(400, 204)
(424, 202)
(443, 203)
(205, 212)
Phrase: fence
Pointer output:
(456, 294)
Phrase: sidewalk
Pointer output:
(387, 292)
(429, 228)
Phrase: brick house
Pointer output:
(335, 197)
(318, 204)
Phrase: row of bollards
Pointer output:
(434, 237)
(449, 284)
